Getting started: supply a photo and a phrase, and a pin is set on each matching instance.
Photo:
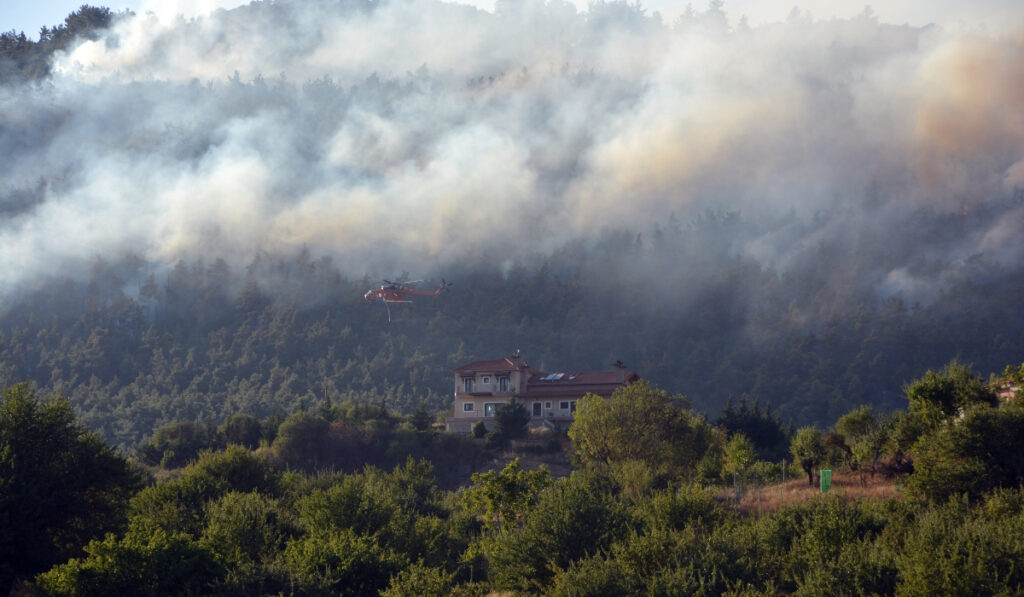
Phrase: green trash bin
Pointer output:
(826, 480)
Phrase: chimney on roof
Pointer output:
(620, 371)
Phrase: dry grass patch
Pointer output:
(846, 484)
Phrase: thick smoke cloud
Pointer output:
(411, 134)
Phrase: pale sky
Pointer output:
(30, 15)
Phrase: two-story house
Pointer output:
(481, 387)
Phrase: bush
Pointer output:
(512, 420)
(976, 454)
(158, 564)
(340, 562)
(245, 530)
(417, 581)
(569, 522)
(421, 419)
(176, 444)
(178, 505)
(688, 506)
(302, 440)
(642, 423)
(242, 429)
(954, 551)
(593, 577)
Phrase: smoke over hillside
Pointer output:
(415, 134)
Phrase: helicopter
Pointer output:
(399, 292)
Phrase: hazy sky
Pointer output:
(30, 15)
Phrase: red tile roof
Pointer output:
(495, 366)
(577, 383)
(554, 385)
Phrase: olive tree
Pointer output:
(640, 423)
(948, 392)
(808, 450)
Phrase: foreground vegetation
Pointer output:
(645, 511)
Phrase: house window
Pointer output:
(490, 408)
(502, 384)
(572, 406)
(487, 381)
(470, 385)
(536, 409)
(547, 405)
(468, 406)
(564, 405)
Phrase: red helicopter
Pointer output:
(399, 292)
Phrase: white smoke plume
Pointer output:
(409, 134)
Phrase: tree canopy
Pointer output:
(765, 429)
(60, 485)
(640, 423)
(948, 392)
(512, 420)
(808, 450)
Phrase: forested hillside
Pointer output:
(194, 207)
(134, 349)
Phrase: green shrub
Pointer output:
(479, 430)
(592, 577)
(954, 550)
